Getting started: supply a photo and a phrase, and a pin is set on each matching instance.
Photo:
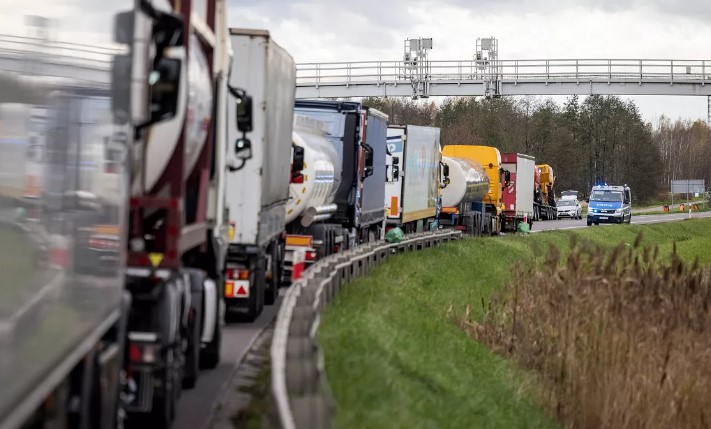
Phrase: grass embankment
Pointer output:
(396, 357)
(15, 265)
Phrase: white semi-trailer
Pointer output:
(257, 186)
(413, 176)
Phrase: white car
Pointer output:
(569, 208)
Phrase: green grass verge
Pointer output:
(395, 358)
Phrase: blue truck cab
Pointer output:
(610, 204)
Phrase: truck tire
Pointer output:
(192, 354)
(210, 353)
(163, 411)
(281, 251)
(255, 302)
(271, 291)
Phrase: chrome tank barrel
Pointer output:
(163, 137)
(468, 182)
(313, 199)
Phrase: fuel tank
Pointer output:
(313, 199)
(468, 182)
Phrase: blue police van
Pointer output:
(610, 204)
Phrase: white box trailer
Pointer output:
(518, 196)
(412, 175)
(257, 189)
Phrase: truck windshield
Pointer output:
(609, 196)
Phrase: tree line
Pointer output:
(602, 138)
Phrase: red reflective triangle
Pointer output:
(241, 291)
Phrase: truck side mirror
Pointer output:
(396, 173)
(507, 176)
(445, 175)
(164, 82)
(297, 160)
(243, 148)
(368, 160)
(121, 88)
(244, 113)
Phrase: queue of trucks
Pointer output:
(178, 188)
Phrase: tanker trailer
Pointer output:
(490, 158)
(315, 178)
(412, 176)
(359, 136)
(175, 249)
(258, 188)
(462, 198)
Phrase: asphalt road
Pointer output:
(637, 220)
(195, 407)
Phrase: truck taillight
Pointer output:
(297, 178)
(237, 274)
(103, 244)
(142, 352)
(310, 255)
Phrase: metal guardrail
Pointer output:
(546, 70)
(299, 388)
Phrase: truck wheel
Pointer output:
(210, 355)
(163, 411)
(589, 222)
(272, 285)
(192, 355)
(281, 252)
(255, 302)
(194, 331)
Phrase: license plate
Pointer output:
(603, 217)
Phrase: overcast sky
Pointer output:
(337, 30)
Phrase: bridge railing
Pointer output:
(582, 70)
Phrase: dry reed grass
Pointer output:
(620, 339)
